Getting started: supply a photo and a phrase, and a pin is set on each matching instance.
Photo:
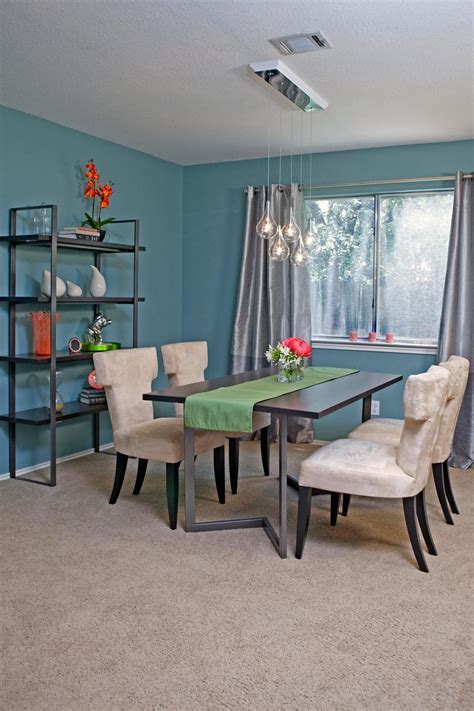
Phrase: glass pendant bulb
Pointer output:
(310, 236)
(299, 256)
(278, 250)
(266, 226)
(291, 231)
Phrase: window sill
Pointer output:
(344, 344)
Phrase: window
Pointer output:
(379, 264)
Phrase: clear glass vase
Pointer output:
(290, 372)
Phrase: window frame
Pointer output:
(363, 344)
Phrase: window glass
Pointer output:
(411, 237)
(341, 265)
(414, 235)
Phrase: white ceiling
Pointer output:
(169, 77)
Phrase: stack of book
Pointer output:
(92, 396)
(80, 233)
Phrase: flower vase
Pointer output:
(41, 321)
(290, 372)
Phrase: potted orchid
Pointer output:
(100, 196)
(288, 355)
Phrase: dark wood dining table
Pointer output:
(314, 402)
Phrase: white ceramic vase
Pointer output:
(97, 286)
(46, 284)
(73, 289)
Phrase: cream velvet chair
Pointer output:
(388, 431)
(126, 375)
(186, 363)
(368, 468)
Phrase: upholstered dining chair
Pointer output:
(388, 431)
(126, 375)
(366, 468)
(186, 363)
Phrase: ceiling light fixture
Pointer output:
(277, 75)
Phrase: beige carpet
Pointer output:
(104, 607)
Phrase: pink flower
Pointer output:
(298, 346)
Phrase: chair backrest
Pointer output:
(126, 375)
(424, 400)
(184, 363)
(458, 369)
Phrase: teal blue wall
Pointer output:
(38, 163)
(213, 225)
(192, 226)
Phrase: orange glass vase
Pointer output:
(41, 321)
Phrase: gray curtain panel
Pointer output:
(457, 330)
(273, 298)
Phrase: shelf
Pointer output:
(71, 299)
(67, 243)
(41, 415)
(61, 357)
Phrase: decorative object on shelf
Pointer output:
(94, 331)
(85, 233)
(288, 355)
(92, 380)
(100, 196)
(96, 347)
(46, 284)
(75, 345)
(73, 289)
(389, 337)
(41, 321)
(372, 336)
(92, 396)
(59, 402)
(353, 335)
(97, 285)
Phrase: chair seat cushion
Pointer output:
(259, 421)
(162, 440)
(359, 467)
(383, 430)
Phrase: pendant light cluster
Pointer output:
(286, 241)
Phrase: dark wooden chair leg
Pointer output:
(172, 492)
(423, 521)
(410, 519)
(304, 514)
(448, 489)
(219, 472)
(141, 471)
(120, 469)
(346, 502)
(234, 463)
(439, 484)
(265, 435)
(335, 501)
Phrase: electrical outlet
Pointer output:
(375, 409)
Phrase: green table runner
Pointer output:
(230, 409)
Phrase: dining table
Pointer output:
(314, 402)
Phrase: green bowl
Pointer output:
(111, 346)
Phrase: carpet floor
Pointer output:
(104, 607)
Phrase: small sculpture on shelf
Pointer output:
(97, 285)
(94, 331)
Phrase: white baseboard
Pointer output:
(59, 460)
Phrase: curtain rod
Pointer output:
(432, 179)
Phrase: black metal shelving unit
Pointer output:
(43, 415)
